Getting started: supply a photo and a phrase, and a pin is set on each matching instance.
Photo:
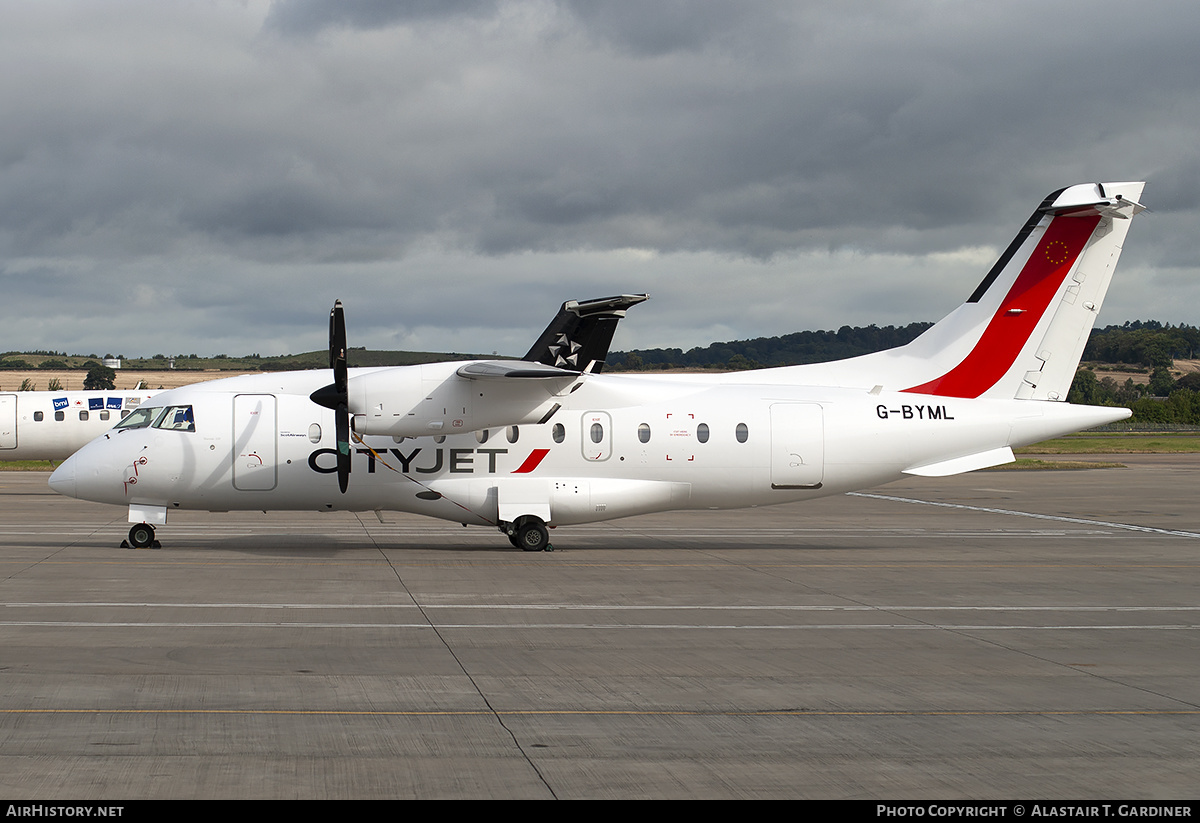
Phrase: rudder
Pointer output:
(1041, 298)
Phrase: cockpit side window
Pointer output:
(176, 418)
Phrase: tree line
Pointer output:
(766, 352)
(99, 376)
(1141, 343)
(1147, 346)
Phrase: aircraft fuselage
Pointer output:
(617, 445)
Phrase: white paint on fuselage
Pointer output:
(866, 440)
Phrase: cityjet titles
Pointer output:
(454, 461)
(914, 412)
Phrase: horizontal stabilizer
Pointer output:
(970, 463)
(1078, 201)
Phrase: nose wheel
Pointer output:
(141, 536)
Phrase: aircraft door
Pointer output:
(597, 436)
(254, 436)
(797, 446)
(8, 421)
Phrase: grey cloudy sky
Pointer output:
(207, 176)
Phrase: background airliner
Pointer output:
(522, 446)
(52, 425)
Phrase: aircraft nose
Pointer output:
(63, 478)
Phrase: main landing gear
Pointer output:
(528, 534)
(141, 536)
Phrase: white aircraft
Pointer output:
(522, 446)
(53, 425)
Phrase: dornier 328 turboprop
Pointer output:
(553, 441)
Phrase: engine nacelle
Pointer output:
(432, 399)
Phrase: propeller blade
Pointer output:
(336, 396)
(342, 416)
(337, 348)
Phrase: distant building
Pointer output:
(112, 362)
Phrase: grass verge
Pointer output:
(28, 466)
(1125, 443)
(1031, 464)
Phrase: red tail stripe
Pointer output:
(532, 461)
(1027, 301)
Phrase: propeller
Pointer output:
(336, 395)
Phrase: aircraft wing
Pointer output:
(501, 369)
(413, 401)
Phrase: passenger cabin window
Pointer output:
(742, 432)
(482, 435)
(60, 415)
(702, 432)
(512, 434)
(644, 432)
(597, 433)
(83, 415)
(559, 433)
(39, 416)
(104, 415)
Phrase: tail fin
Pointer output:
(578, 337)
(1022, 332)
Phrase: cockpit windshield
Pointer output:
(139, 418)
(172, 418)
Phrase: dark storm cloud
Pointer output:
(461, 168)
(653, 29)
(310, 16)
